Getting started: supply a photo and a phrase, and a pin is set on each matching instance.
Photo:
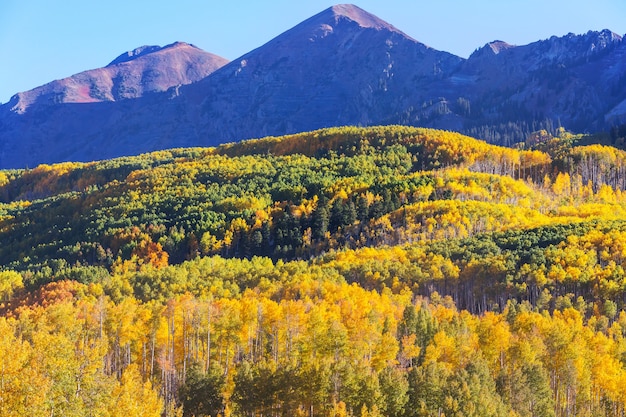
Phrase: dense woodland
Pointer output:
(387, 271)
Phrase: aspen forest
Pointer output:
(366, 272)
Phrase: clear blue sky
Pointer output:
(43, 40)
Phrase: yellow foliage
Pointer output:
(134, 398)
(10, 281)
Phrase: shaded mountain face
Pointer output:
(342, 66)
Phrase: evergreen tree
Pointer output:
(201, 394)
(321, 220)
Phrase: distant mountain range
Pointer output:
(342, 66)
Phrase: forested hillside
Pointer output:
(387, 271)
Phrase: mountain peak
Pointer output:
(345, 13)
(148, 49)
(491, 49)
(360, 16)
(499, 46)
(134, 54)
(603, 39)
(347, 21)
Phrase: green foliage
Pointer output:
(201, 394)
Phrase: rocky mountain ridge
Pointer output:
(342, 66)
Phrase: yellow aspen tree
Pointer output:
(132, 397)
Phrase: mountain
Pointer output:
(71, 118)
(147, 69)
(575, 80)
(343, 66)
